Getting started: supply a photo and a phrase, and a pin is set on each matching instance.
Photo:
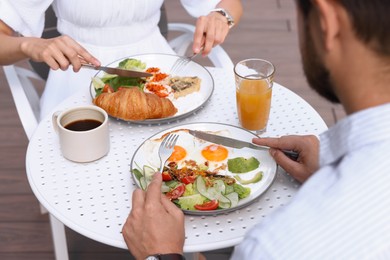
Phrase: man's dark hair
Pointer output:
(370, 18)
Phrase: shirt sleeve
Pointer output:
(197, 8)
(253, 246)
(26, 17)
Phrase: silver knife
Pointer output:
(234, 143)
(120, 72)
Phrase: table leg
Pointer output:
(59, 239)
(194, 256)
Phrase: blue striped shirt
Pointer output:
(343, 210)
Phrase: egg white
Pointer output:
(193, 147)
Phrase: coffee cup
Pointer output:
(83, 133)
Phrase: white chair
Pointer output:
(26, 101)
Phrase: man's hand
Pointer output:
(155, 225)
(307, 147)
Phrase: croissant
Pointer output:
(134, 104)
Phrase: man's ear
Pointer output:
(329, 21)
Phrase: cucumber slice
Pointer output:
(219, 186)
(143, 183)
(148, 173)
(212, 193)
(165, 188)
(224, 202)
(228, 189)
(202, 189)
(233, 197)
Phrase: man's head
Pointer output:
(370, 22)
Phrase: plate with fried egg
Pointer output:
(197, 177)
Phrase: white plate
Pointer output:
(267, 164)
(185, 105)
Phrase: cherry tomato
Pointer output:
(166, 176)
(188, 179)
(176, 192)
(208, 205)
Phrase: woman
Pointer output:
(98, 32)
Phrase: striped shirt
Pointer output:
(343, 210)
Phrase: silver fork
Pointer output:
(182, 61)
(166, 149)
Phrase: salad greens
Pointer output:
(203, 193)
(115, 82)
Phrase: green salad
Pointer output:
(195, 189)
(111, 83)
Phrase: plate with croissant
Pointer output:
(159, 98)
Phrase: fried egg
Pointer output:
(183, 149)
(190, 148)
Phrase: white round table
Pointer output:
(94, 199)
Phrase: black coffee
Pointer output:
(83, 125)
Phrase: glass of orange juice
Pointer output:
(254, 80)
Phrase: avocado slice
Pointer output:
(258, 176)
(242, 165)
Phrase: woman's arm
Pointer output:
(10, 46)
(59, 52)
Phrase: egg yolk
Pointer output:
(178, 154)
(215, 153)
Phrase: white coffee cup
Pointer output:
(83, 133)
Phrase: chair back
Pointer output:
(25, 96)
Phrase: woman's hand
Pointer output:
(211, 30)
(155, 225)
(59, 52)
(307, 147)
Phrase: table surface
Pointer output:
(94, 199)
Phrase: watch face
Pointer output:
(152, 257)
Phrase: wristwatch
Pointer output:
(229, 18)
(165, 257)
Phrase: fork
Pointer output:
(182, 61)
(166, 149)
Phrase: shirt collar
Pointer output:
(357, 130)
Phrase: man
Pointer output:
(342, 210)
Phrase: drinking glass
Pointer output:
(254, 80)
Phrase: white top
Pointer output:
(343, 210)
(109, 30)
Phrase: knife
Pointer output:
(234, 143)
(119, 72)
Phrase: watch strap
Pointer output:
(167, 257)
(229, 18)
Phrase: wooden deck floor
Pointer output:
(267, 30)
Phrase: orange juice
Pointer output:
(253, 103)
